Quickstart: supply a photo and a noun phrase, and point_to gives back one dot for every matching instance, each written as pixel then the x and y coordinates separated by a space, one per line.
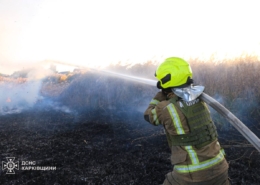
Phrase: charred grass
pixel 103 138
pixel 103 150
pixel 96 150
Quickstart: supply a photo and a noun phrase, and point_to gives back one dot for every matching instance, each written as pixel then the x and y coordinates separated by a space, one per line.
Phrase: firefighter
pixel 196 154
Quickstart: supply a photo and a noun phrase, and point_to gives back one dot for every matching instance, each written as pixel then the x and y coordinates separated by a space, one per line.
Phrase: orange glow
pixel 8 100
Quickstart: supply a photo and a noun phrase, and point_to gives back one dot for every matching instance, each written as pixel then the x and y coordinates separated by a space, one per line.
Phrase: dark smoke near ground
pixel 90 127
pixel 95 92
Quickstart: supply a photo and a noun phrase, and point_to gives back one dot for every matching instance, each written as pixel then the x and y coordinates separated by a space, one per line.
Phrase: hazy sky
pixel 102 31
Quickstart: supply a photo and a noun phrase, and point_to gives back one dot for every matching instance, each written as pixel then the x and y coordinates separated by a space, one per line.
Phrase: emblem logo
pixel 10 165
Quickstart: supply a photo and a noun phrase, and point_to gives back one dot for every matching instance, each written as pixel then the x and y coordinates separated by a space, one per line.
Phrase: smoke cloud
pixel 96 94
pixel 93 94
pixel 20 94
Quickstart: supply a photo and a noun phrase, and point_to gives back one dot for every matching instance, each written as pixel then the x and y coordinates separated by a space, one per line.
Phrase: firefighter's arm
pixel 151 113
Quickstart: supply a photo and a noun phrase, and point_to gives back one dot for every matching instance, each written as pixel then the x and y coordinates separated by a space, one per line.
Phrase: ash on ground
pixel 101 139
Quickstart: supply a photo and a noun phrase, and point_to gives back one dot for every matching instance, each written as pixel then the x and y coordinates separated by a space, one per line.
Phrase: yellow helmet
pixel 173 72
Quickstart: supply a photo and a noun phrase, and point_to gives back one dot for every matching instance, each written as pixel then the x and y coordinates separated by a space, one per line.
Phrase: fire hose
pixel 241 127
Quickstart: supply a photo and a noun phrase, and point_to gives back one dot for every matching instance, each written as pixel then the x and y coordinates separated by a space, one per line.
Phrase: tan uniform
pixel 191 165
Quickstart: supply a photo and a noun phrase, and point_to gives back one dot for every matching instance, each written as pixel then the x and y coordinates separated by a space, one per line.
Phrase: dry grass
pixel 12 80
pixel 234 83
pixel 233 78
pixel 237 78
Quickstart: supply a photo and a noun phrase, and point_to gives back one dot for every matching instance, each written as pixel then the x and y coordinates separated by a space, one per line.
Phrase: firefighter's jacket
pixel 191 163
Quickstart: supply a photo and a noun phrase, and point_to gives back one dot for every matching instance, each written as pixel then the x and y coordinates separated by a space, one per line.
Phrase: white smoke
pixel 16 96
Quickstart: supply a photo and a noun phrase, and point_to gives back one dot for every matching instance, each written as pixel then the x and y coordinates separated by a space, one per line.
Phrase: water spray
pixel 241 127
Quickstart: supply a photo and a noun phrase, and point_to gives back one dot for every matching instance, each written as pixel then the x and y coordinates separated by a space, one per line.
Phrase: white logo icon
pixel 10 165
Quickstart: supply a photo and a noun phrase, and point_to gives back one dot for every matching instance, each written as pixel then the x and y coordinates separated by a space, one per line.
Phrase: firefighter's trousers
pixel 222 179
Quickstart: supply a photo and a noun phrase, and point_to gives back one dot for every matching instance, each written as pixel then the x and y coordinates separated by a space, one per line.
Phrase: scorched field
pixel 88 128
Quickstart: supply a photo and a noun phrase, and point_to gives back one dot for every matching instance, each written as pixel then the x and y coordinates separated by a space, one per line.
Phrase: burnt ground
pixel 98 148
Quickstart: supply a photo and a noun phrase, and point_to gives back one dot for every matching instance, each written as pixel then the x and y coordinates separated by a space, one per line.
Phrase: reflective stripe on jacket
pixel 193 164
